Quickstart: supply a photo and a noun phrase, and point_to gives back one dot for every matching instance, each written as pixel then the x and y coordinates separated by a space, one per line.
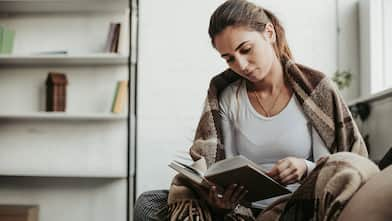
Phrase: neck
pixel 272 83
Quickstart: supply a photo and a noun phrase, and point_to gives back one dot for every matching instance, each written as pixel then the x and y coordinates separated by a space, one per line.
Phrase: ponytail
pixel 281 46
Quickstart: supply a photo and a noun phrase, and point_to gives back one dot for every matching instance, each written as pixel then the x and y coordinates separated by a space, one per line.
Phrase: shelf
pixel 62 116
pixel 12 6
pixel 60 176
pixel 63 59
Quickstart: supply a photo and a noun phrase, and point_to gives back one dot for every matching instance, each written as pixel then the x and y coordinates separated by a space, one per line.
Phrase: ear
pixel 269 32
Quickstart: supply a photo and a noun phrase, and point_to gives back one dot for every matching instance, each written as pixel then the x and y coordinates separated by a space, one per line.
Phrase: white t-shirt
pixel 265 140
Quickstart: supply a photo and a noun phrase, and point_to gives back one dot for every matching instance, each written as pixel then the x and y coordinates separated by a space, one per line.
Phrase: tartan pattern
pixel 320 100
pixel 151 206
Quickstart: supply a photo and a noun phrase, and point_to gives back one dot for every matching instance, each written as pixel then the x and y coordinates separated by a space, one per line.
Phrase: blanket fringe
pixel 189 210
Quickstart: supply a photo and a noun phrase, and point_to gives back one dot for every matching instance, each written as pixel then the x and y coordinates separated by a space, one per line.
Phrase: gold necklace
pixel 273 103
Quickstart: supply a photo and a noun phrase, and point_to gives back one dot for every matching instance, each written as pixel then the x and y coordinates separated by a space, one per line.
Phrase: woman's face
pixel 248 53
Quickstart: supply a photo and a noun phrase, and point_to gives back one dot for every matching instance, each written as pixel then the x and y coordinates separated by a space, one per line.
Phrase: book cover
pixel 56 92
pixel 112 41
pixel 116 38
pixel 109 39
pixel 236 170
pixel 1 38
pixel 7 41
pixel 19 212
pixel 120 96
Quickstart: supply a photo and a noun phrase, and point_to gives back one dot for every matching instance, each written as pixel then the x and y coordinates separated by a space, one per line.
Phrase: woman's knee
pixel 372 201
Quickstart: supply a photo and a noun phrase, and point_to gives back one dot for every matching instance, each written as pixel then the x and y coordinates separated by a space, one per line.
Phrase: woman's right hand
pixel 227 201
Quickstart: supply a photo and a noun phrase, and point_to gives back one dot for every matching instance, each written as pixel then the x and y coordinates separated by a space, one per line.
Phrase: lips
pixel 250 74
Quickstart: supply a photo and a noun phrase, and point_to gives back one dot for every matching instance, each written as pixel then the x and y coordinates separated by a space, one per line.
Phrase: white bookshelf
pixel 78 164
pixel 63 116
pixel 54 176
pixel 23 6
pixel 87 198
pixel 89 59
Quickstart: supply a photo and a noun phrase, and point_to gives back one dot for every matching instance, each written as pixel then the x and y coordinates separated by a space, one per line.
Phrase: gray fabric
pixel 151 206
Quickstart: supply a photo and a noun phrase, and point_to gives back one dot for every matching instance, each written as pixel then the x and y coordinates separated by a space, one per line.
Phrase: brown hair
pixel 244 13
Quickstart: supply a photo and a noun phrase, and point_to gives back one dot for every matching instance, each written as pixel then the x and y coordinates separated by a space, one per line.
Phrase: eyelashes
pixel 245 50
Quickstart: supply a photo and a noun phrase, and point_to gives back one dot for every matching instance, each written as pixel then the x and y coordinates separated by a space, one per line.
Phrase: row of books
pixel 6 40
pixel 112 43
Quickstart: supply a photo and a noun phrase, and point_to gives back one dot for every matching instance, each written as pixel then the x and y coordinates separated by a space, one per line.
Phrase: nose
pixel 243 64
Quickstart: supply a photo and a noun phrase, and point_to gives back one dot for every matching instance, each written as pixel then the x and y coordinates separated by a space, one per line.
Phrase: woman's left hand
pixel 288 170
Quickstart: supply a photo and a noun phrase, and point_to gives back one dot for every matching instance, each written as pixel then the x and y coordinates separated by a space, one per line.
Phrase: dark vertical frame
pixel 132 104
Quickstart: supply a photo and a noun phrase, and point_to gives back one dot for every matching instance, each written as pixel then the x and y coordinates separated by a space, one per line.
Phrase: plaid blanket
pixel 321 103
pixel 324 193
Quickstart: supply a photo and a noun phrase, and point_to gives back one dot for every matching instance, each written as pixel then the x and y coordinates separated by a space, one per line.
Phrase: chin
pixel 257 78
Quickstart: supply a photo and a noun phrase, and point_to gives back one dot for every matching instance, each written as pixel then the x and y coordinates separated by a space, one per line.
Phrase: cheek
pixel 265 56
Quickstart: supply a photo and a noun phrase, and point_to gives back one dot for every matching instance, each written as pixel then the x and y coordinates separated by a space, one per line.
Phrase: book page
pixel 230 164
pixel 200 165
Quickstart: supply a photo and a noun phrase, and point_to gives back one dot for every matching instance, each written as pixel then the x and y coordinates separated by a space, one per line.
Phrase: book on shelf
pixel 236 170
pixel 6 40
pixel 113 39
pixel 120 96
pixel 19 212
pixel 56 93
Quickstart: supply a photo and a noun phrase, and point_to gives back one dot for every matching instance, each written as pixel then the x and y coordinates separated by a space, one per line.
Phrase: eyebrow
pixel 238 47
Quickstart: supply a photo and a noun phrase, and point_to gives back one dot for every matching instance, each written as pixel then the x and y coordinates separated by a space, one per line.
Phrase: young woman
pixel 277 113
pixel 260 116
pixel 281 115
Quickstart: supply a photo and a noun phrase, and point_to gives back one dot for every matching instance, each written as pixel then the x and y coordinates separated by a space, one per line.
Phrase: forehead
pixel 231 37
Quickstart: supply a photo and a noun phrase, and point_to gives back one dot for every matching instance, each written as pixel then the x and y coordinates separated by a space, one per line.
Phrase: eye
pixel 230 59
pixel 246 50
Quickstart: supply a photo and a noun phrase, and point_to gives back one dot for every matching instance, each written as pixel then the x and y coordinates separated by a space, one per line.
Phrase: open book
pixel 236 170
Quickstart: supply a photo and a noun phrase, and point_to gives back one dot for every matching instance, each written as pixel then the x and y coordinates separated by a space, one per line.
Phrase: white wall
pixel 176 62
pixel 348 40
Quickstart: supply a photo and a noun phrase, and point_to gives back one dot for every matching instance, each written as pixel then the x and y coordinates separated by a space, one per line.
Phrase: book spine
pixel 121 96
pixel 7 41
pixel 115 39
pixel 110 37
pixel 115 96
pixel 1 38
pixel 118 26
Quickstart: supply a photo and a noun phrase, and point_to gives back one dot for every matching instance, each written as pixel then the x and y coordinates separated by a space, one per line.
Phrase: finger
pixel 274 171
pixel 286 172
pixel 242 195
pixel 278 169
pixel 237 193
pixel 290 179
pixel 214 194
pixel 282 165
pixel 229 192
pixel 211 194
